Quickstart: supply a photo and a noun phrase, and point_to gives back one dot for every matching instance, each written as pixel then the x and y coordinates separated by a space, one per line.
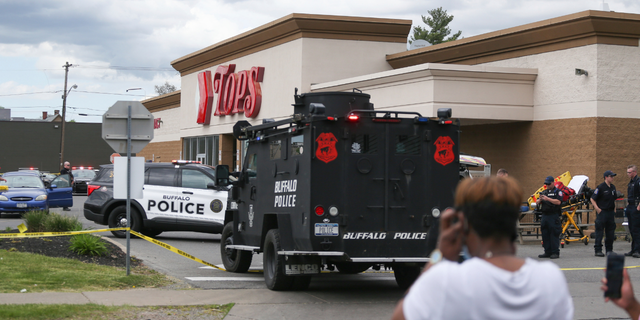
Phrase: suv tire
pixel 274 274
pixel 237 261
pixel 118 218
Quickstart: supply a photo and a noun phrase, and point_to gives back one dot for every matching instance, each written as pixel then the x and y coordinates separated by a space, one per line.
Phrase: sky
pixel 115 46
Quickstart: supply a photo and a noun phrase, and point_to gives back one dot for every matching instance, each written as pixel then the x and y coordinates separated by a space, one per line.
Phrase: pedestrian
pixel 632 209
pixel 493 283
pixel 627 300
pixel 549 202
pixel 67 170
pixel 604 202
pixel 502 173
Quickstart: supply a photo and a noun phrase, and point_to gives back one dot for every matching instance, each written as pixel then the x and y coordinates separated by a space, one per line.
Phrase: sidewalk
pixel 250 303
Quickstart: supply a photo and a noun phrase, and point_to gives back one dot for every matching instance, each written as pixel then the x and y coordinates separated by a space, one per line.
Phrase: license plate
pixel 21 205
pixel 327 229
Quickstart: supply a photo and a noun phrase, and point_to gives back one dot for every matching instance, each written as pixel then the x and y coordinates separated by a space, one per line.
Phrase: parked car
pixel 81 177
pixel 26 191
pixel 178 196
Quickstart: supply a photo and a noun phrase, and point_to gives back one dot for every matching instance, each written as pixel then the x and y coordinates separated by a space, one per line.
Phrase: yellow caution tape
pixel 178 251
pixel 53 234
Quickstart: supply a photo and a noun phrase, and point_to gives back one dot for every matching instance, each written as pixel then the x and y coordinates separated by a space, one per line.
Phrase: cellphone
pixel 615 264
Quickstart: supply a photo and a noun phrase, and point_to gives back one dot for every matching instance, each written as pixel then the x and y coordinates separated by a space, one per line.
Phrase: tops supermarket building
pixel 521 104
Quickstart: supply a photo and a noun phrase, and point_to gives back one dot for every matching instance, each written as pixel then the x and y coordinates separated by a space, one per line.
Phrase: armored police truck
pixel 340 185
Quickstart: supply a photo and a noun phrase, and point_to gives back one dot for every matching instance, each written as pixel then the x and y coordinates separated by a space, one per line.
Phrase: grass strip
pixel 96 311
pixel 38 273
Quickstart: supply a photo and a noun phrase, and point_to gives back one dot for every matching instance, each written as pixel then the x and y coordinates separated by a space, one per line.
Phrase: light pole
pixel 64 110
pixel 145 92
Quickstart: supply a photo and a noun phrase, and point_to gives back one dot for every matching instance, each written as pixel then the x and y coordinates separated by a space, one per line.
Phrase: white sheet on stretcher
pixel 577 182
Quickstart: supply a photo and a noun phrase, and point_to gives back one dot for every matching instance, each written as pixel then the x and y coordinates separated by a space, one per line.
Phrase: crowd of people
pixel 492 282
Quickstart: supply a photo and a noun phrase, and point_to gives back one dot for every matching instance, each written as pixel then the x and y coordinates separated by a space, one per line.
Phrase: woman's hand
pixel 451 235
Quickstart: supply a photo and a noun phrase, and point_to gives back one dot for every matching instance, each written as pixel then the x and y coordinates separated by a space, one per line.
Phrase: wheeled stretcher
pixel 572 207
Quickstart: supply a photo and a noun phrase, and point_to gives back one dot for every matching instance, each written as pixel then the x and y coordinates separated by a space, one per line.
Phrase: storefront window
pixel 203 148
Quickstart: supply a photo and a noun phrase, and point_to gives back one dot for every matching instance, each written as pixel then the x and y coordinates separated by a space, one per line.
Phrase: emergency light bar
pixel 185 162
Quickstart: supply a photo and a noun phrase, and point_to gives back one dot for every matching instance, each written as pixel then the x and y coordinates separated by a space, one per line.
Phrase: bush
pixel 87 244
pixel 36 220
pixel 58 223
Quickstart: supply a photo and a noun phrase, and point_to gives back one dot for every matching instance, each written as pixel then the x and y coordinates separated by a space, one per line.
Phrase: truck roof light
pixel 445 121
pixel 421 119
pixel 319 210
pixel 353 117
pixel 332 119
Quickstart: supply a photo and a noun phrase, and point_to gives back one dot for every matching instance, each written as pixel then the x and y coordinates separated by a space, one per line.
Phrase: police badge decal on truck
pixel 376 205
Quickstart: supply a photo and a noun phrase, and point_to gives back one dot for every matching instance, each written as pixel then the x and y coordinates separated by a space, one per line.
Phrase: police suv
pixel 178 196
pixel 340 185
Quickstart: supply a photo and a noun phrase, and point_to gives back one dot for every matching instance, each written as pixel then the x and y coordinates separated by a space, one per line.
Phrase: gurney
pixel 572 207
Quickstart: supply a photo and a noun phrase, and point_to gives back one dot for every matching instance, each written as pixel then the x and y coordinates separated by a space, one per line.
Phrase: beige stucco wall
pixel 169 128
pixel 295 64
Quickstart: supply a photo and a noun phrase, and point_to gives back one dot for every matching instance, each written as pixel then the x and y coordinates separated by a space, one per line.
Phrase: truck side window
pixel 195 179
pixel 364 143
pixel 296 145
pixel 408 145
pixel 252 166
pixel 161 176
pixel 275 149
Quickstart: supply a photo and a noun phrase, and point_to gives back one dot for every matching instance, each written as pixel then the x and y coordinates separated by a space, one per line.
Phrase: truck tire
pixel 406 275
pixel 237 261
pixel 352 267
pixel 274 274
pixel 118 219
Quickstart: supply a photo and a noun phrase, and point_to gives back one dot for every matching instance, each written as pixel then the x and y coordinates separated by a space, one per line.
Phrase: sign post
pixel 127 127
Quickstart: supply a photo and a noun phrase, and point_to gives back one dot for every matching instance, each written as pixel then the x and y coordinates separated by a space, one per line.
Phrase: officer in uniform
pixel 604 201
pixel 633 207
pixel 550 205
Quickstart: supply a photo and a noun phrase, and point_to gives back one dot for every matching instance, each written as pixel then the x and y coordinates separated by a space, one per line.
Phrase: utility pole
pixel 64 111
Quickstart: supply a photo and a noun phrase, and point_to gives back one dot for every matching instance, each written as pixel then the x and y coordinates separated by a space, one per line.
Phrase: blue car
pixel 25 191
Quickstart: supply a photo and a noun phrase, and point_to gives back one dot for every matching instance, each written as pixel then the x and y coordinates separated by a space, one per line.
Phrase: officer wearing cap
pixel 604 202
pixel 632 209
pixel 550 205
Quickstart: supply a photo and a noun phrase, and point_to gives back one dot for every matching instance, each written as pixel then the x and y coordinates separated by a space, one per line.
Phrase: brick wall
pixel 162 151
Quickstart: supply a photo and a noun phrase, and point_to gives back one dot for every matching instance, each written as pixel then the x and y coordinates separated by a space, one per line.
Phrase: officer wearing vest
pixel 632 209
pixel 550 205
pixel 604 202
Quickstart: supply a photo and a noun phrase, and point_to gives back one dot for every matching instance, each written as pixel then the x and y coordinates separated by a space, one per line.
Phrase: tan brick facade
pixel 162 151
pixel 530 151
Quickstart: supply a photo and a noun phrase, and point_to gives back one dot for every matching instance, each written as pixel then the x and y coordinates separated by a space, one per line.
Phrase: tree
pixel 437 22
pixel 165 88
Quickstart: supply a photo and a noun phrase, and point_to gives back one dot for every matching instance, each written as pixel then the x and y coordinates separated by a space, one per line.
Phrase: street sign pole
pixel 139 131
pixel 128 187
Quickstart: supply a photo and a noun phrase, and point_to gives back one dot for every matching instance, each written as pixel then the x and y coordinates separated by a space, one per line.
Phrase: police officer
pixel 604 201
pixel 549 204
pixel 633 206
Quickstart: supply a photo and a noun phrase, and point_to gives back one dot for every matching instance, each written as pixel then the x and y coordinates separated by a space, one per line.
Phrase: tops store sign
pixel 238 92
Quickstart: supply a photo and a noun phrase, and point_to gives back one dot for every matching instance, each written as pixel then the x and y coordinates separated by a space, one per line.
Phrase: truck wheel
pixel 237 261
pixel 352 267
pixel 274 274
pixel 406 275
pixel 118 219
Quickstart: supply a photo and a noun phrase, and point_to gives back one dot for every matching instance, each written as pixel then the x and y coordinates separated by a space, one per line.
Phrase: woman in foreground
pixel 492 283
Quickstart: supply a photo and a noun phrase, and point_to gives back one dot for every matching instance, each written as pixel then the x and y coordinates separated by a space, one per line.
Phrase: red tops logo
pixel 444 150
pixel 326 151
pixel 237 92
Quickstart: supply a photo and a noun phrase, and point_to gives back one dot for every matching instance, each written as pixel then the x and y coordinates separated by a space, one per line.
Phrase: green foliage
pixel 38 273
pixel 35 220
pixel 94 311
pixel 87 244
pixel 59 223
pixel 438 28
